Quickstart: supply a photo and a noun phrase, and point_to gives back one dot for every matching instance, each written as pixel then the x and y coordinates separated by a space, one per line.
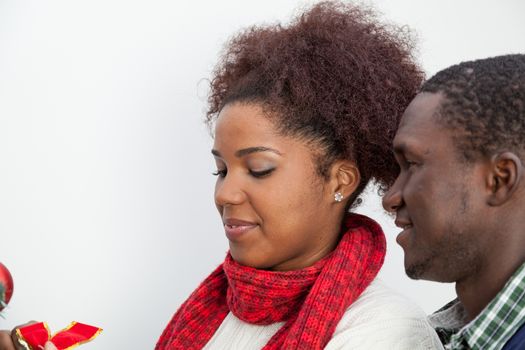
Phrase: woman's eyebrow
pixel 245 151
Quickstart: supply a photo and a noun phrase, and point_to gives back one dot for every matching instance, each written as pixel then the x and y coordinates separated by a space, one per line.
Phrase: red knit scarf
pixel 312 301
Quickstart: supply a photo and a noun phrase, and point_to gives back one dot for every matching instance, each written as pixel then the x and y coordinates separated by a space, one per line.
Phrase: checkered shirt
pixel 492 328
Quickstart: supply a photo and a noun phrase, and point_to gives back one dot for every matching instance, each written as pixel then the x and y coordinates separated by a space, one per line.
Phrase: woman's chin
pixel 245 258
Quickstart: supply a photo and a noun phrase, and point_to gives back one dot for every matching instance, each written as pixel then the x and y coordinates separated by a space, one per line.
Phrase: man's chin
pixel 417 270
pixel 424 272
pixel 413 274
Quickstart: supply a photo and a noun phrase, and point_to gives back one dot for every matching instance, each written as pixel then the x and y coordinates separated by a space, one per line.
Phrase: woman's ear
pixel 504 177
pixel 345 177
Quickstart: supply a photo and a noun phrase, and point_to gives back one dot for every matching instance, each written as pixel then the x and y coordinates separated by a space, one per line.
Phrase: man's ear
pixel 345 177
pixel 504 177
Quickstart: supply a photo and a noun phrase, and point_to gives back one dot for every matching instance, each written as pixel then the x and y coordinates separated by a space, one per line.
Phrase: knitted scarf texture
pixel 310 301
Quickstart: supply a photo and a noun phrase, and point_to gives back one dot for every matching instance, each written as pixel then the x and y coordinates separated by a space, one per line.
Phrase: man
pixel 460 198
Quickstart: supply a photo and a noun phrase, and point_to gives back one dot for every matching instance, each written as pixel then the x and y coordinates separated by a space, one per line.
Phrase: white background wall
pixel 106 209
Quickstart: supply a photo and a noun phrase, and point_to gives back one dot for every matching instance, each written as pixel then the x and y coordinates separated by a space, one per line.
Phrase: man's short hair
pixel 485 104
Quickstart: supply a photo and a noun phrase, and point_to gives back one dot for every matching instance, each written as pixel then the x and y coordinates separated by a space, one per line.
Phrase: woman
pixel 303 119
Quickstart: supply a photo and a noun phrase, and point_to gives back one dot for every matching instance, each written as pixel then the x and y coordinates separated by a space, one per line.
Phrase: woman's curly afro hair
pixel 335 77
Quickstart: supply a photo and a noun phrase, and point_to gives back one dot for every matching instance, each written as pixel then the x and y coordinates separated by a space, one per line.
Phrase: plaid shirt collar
pixel 492 328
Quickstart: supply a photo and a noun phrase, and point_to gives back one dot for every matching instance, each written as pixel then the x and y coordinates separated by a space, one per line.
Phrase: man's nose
pixel 393 199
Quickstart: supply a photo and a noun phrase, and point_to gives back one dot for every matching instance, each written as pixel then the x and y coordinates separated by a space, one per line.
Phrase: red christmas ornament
pixel 6 286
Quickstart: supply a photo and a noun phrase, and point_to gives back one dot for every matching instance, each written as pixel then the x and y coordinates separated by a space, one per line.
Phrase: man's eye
pixel 262 173
pixel 410 163
pixel 219 173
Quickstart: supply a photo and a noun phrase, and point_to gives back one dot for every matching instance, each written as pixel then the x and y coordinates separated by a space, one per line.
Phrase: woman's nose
pixel 228 191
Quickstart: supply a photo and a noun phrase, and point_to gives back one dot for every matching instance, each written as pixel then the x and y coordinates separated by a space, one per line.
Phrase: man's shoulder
pixel 499 323
pixel 517 341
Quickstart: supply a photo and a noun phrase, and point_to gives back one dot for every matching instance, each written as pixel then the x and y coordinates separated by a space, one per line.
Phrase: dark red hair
pixel 334 75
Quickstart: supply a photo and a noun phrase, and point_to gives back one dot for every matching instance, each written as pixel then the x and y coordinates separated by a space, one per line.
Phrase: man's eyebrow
pixel 400 148
pixel 408 149
pixel 245 151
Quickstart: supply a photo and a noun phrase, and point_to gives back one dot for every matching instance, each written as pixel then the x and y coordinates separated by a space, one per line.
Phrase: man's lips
pixel 403 223
pixel 235 228
pixel 406 225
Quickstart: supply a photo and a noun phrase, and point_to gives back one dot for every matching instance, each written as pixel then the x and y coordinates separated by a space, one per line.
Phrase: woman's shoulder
pixel 378 302
pixel 383 319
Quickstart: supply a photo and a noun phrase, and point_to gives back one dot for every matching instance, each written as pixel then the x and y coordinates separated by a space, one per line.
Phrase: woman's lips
pixel 236 228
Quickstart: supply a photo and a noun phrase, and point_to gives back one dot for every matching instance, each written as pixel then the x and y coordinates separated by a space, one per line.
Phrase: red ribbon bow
pixel 36 335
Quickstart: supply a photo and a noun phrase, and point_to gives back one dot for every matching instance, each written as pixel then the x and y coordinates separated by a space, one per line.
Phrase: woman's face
pixel 278 213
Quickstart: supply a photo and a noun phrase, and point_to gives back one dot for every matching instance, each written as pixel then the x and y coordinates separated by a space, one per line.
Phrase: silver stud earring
pixel 338 196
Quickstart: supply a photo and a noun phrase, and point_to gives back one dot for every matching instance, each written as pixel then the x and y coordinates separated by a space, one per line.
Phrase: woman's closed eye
pixel 255 173
pixel 261 173
pixel 219 172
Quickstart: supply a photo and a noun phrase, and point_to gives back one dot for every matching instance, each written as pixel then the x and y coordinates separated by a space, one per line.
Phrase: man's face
pixel 437 197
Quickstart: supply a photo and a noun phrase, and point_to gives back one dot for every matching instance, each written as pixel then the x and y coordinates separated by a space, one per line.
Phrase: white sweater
pixel 378 319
